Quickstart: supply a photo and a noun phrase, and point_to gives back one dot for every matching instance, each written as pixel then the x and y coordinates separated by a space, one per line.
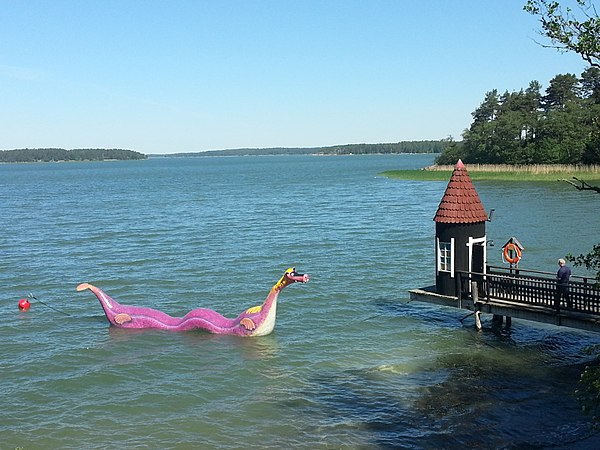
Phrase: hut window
pixel 445 256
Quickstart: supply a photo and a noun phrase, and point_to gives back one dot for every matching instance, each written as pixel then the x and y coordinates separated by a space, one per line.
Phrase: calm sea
pixel 351 363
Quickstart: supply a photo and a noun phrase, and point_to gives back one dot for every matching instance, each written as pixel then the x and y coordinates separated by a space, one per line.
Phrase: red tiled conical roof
pixel 460 203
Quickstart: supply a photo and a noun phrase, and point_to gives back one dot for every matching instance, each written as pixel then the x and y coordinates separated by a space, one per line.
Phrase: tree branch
pixel 583 186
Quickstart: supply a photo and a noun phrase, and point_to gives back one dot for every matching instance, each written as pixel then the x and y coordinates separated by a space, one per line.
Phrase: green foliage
pixel 591 261
pixel 559 126
pixel 60 154
pixel 588 393
pixel 570 132
pixel 569 30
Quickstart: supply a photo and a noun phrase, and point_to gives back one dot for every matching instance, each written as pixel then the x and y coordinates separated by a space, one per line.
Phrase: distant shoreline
pixel 46 155
pixel 68 161
pixel 62 155
pixel 424 147
pixel 186 155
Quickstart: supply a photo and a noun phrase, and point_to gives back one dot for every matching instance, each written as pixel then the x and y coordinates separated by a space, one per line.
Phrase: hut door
pixel 477 258
pixel 478 263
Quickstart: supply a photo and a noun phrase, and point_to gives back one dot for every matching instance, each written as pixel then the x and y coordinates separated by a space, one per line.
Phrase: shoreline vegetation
pixel 34 155
pixel 347 149
pixel 502 172
pixel 532 126
pixel 62 155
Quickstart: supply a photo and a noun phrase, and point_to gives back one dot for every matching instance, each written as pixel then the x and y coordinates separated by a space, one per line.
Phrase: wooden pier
pixel 521 294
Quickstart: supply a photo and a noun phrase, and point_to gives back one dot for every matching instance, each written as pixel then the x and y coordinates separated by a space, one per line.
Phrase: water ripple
pixel 351 363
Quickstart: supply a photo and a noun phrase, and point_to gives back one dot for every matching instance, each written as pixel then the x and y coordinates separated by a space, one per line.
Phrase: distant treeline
pixel 349 149
pixel 60 154
pixel 398 147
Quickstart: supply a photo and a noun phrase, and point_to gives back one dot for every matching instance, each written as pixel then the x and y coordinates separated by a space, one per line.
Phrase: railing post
pixel 556 297
pixel 474 292
pixel 458 288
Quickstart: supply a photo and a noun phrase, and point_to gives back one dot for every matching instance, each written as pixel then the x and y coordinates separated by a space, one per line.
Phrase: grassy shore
pixel 480 172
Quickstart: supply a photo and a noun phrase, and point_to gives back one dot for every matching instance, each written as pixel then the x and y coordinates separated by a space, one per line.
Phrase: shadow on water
pixel 476 405
pixel 498 388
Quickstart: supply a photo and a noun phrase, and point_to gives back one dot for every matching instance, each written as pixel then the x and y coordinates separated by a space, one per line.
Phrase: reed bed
pixel 503 172
pixel 534 169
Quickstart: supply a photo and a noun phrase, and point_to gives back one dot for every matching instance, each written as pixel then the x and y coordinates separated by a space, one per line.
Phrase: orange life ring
pixel 514 250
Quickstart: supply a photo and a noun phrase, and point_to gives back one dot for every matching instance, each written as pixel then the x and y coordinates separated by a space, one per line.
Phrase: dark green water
pixel 350 364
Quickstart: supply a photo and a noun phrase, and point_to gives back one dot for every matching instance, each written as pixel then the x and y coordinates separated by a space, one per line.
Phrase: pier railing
pixel 528 287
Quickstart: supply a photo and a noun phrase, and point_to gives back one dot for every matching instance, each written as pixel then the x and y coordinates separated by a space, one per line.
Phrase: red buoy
pixel 24 304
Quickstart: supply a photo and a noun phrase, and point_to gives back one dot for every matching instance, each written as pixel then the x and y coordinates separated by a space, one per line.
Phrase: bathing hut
pixel 460 242
pixel 464 280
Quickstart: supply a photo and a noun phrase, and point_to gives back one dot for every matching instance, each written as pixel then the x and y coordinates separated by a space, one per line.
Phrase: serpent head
pixel 291 276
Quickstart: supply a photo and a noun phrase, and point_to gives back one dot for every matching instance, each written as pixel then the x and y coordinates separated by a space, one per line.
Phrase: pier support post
pixel 474 292
pixel 475 295
pixel 478 320
pixel 498 319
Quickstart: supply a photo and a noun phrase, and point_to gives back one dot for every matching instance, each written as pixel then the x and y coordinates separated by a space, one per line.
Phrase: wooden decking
pixel 521 294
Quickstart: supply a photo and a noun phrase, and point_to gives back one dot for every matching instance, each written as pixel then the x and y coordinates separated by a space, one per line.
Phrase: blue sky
pixel 187 76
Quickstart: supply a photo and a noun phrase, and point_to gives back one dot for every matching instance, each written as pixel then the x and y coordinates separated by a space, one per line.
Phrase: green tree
pixel 562 135
pixel 590 90
pixel 569 29
pixel 452 153
pixel 590 261
pixel 563 90
pixel 503 130
pixel 562 126
pixel 478 139
pixel 580 34
pixel 576 31
pixel 590 85
pixel 488 110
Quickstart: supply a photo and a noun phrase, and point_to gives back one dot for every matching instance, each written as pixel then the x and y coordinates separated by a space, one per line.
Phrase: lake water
pixel 351 363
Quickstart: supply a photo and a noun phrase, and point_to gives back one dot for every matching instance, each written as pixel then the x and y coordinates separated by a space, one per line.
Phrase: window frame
pixel 445 257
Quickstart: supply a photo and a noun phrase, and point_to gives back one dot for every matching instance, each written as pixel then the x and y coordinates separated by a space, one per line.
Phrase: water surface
pixel 351 364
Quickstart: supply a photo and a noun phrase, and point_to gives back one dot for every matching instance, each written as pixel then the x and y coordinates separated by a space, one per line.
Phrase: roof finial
pixel 460 165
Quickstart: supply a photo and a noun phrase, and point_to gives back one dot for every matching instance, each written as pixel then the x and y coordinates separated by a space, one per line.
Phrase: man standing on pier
pixel 562 283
